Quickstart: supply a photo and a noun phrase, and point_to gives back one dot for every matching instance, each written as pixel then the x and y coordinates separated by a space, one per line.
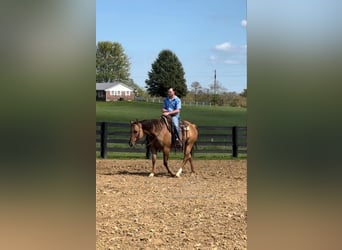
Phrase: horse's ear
pixel 136 120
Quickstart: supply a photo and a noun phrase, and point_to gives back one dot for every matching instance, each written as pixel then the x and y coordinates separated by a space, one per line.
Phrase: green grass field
pixel 124 112
pixel 200 115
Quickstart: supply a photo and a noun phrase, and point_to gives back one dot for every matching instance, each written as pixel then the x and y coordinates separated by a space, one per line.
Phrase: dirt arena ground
pixel 203 211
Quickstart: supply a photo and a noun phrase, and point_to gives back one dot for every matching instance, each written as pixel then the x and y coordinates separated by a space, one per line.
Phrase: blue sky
pixel 205 36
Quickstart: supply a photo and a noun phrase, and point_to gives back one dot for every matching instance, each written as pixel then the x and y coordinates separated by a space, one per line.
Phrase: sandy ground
pixel 203 211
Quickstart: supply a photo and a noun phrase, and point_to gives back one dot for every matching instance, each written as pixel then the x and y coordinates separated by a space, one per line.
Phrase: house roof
pixel 110 85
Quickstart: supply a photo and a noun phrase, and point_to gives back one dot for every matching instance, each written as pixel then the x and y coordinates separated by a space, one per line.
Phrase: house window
pixel 128 93
pixel 112 92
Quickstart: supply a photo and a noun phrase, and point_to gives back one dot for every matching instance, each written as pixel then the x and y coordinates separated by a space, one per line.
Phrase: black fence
pixel 114 137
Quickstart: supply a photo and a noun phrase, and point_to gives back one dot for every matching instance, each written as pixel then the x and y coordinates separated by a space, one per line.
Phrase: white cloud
pixel 231 62
pixel 224 46
pixel 213 58
pixel 244 23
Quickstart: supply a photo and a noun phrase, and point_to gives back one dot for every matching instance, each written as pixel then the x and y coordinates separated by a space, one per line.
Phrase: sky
pixel 204 35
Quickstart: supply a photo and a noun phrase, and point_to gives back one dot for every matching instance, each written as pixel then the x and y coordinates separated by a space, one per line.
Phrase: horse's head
pixel 136 132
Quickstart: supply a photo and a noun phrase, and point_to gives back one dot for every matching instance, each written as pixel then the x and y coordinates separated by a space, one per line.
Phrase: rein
pixel 168 126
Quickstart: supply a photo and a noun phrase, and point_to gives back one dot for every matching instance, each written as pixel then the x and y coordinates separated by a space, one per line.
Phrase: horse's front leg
pixel 154 159
pixel 166 153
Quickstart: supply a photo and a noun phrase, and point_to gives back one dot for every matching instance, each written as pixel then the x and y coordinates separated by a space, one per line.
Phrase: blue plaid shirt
pixel 172 104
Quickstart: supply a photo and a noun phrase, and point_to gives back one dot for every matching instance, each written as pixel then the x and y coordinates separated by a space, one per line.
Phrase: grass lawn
pixel 200 115
pixel 124 112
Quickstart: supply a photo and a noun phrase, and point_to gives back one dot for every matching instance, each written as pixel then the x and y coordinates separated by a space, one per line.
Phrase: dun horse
pixel 158 132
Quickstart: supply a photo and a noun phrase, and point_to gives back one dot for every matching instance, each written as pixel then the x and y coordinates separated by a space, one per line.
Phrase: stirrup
pixel 178 143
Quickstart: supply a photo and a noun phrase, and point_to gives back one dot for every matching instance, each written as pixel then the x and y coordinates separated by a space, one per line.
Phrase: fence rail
pixel 113 137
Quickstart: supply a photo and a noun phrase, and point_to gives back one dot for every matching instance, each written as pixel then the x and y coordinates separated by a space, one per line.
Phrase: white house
pixel 113 91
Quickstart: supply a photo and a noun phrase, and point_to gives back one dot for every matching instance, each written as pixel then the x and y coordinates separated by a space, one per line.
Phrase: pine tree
pixel 167 72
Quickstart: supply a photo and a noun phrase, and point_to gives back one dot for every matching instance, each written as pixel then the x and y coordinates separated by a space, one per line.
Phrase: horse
pixel 159 138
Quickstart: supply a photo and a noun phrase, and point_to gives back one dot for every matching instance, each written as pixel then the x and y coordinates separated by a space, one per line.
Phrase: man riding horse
pixel 172 106
pixel 158 131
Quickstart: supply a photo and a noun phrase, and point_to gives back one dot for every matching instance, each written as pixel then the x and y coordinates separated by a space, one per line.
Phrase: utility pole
pixel 195 95
pixel 215 85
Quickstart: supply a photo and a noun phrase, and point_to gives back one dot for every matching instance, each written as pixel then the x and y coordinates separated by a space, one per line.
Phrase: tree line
pixel 112 64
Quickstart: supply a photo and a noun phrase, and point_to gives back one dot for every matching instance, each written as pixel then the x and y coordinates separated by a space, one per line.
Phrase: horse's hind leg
pixel 192 166
pixel 187 157
pixel 190 153
pixel 166 158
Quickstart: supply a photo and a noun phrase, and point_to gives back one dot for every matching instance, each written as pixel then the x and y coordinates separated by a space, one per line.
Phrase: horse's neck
pixel 144 125
pixel 147 127
pixel 150 127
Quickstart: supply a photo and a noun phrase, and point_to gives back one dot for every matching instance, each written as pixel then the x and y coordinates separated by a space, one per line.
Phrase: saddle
pixel 183 135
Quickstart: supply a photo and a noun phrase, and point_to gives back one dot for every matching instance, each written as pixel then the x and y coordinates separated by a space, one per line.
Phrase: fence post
pixel 235 141
pixel 104 134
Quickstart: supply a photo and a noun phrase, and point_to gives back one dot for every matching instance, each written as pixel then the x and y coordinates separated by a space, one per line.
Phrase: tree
pixel 244 93
pixel 195 86
pixel 112 64
pixel 167 72
pixel 216 87
pixel 130 83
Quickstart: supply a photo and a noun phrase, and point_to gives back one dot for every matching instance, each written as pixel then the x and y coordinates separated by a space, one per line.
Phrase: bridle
pixel 136 137
pixel 139 124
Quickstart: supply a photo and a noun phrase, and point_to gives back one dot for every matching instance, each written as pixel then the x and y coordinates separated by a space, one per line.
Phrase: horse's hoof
pixel 151 175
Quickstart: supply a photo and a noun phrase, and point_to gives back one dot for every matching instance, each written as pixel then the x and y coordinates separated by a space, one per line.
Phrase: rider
pixel 172 106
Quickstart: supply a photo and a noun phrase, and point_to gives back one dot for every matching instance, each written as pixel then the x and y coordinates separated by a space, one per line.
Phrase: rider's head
pixel 171 92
